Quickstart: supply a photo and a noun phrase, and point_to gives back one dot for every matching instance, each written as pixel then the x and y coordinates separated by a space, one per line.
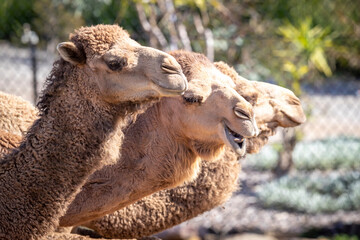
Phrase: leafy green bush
pixel 328 154
pixel 345 237
pixel 313 193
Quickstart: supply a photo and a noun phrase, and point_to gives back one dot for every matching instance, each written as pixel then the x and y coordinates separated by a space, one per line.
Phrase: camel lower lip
pixel 176 82
pixel 170 92
pixel 237 143
pixel 176 90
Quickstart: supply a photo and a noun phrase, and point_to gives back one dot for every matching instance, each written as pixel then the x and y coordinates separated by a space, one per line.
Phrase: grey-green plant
pixel 342 153
pixel 335 153
pixel 313 193
pixel 265 160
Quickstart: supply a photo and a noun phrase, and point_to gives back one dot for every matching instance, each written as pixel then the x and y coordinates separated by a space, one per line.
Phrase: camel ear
pixel 287 108
pixel 70 53
pixel 197 91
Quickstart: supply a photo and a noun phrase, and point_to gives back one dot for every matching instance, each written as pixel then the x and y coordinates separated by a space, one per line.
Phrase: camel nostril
pixel 170 68
pixel 170 65
pixel 241 113
pixel 172 81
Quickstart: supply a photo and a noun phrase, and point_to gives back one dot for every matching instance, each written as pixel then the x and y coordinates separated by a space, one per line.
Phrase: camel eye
pixel 192 99
pixel 117 64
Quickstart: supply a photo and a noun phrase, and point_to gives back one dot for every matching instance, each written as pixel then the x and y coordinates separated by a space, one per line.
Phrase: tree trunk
pixel 285 163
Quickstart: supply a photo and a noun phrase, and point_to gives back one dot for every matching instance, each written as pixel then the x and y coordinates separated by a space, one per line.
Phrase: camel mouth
pixel 293 121
pixel 235 140
pixel 176 84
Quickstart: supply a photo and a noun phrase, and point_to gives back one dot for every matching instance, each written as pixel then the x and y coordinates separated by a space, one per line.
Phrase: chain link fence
pixel 333 108
pixel 24 70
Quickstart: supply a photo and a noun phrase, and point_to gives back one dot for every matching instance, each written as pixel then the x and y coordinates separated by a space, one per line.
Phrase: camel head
pixel 210 114
pixel 274 106
pixel 122 68
pixel 279 106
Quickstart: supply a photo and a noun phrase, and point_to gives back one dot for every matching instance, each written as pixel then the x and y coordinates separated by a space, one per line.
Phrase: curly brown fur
pixel 70 236
pixel 215 184
pixel 85 236
pixel 97 40
pixel 16 114
pixel 75 131
pixel 8 141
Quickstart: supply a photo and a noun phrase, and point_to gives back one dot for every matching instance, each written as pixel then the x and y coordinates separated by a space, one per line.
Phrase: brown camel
pixel 102 79
pixel 274 106
pixel 161 150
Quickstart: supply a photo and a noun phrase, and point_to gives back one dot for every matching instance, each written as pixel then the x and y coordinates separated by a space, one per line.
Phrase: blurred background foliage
pixel 288 40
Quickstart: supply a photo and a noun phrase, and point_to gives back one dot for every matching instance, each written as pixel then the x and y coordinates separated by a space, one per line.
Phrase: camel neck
pixel 61 149
pixel 152 159
pixel 152 132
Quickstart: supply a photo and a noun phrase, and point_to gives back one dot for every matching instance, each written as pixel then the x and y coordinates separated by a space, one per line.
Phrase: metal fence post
pixel 31 38
pixel 34 69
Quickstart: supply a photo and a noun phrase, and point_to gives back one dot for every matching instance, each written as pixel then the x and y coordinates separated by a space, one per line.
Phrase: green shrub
pixel 344 237
pixel 313 193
